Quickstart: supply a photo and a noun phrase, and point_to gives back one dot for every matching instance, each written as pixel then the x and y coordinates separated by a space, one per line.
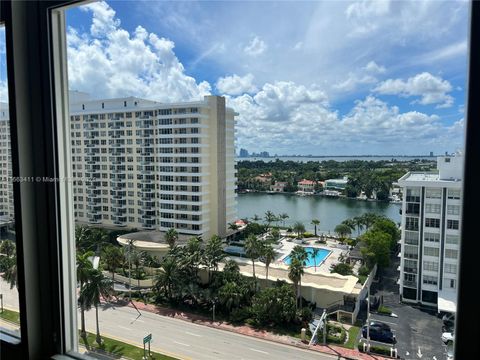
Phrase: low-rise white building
pixel 431 214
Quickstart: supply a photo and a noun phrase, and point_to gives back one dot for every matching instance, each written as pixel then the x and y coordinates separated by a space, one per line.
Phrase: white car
pixel 447 337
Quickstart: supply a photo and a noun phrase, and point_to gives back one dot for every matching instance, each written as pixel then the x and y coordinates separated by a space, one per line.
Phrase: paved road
pixel 180 338
pixel 190 341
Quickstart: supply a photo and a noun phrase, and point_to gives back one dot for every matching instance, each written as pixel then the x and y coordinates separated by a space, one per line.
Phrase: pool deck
pixel 334 247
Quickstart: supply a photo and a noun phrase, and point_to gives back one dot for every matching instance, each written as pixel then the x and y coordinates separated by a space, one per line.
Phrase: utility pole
pixel 130 270
pixel 368 320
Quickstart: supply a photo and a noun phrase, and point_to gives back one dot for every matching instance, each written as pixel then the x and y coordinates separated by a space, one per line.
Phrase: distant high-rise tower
pixel 243 153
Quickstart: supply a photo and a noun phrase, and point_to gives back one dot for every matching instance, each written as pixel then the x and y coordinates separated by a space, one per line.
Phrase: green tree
pixel 342 269
pixel 112 256
pixel 256 218
pixel 229 296
pixel 299 252
pixel 171 237
pixel 7 248
pixel 342 231
pixel 315 252
pixel 376 248
pixel 84 272
pixel 98 286
pixel 315 222
pixel 358 223
pixel 299 228
pixel 274 305
pixel 253 249
pixel 213 254
pixel 234 227
pixel 388 226
pixel 167 276
pixel 284 216
pixel 269 218
pixel 269 256
pixel 295 272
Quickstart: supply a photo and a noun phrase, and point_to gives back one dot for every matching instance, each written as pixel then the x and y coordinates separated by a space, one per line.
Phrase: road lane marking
pixel 180 343
pixel 260 351
pixel 124 328
pixel 189 333
pixel 137 320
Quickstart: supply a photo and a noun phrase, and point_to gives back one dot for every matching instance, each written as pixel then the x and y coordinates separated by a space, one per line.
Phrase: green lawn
pixel 118 348
pixel 11 316
pixel 352 337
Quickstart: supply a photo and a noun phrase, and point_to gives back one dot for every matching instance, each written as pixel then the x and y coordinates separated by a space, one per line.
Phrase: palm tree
pixel 213 254
pixel 284 216
pixel 299 252
pixel 113 258
pixel 299 228
pixel 167 276
pixel 358 223
pixel 315 252
pixel 84 271
pixel 315 222
pixel 97 287
pixel 342 231
pixel 171 236
pixel 234 227
pixel 253 249
pixel 269 256
pixel 229 295
pixel 295 272
pixel 136 257
pixel 350 223
pixel 269 218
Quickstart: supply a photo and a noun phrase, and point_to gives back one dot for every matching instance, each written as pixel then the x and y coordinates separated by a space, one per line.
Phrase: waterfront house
pixel 279 186
pixel 306 186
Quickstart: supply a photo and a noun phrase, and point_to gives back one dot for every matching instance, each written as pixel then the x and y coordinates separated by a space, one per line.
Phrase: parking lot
pixel 418 331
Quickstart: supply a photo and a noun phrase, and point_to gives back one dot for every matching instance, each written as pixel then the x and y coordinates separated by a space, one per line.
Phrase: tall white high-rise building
pixel 431 215
pixel 149 165
pixel 6 184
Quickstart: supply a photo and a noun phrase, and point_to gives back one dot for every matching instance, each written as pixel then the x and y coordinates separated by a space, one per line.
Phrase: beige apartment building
pixel 150 165
pixel 6 184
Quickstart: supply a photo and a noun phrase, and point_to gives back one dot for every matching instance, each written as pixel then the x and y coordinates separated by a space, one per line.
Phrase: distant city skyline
pixel 340 78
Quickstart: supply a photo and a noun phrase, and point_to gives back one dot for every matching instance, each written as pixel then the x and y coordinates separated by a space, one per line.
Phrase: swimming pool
pixel 320 258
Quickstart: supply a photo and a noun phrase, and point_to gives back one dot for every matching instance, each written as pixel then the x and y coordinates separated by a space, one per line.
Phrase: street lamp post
pixel 368 320
pixel 130 270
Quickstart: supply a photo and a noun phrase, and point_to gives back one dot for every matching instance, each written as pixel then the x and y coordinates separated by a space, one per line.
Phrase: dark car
pixel 379 325
pixel 378 333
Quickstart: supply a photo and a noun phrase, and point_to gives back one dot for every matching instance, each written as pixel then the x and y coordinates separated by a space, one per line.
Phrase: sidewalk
pixel 261 334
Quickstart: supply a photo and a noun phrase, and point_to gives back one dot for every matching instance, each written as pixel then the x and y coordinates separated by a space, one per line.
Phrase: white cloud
pixel 236 85
pixel 430 88
pixel 255 47
pixel 373 67
pixel 109 61
pixel 353 81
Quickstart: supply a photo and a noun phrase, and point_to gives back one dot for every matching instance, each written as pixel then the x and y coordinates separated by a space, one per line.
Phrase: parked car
pixel 379 333
pixel 379 324
pixel 447 337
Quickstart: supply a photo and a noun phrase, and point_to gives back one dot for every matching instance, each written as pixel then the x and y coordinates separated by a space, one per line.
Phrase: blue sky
pixel 317 77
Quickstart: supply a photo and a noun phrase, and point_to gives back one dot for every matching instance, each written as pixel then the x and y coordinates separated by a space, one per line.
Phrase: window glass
pixel 9 305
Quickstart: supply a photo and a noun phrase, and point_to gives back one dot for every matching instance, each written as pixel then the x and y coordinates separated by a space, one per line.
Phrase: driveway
pixel 418 330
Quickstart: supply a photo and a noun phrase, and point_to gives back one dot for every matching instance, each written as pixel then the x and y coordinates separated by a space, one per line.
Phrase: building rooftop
pixel 423 176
